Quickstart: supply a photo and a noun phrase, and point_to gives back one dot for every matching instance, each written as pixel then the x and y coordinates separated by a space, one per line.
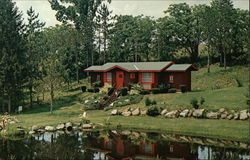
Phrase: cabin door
pixel 119 79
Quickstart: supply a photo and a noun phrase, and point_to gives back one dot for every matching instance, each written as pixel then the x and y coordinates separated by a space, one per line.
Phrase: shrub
pixel 83 88
pixel 155 90
pixel 97 84
pixel 183 88
pixel 149 102
pixel 96 90
pixel 202 101
pixel 164 87
pixel 194 103
pixel 172 90
pixel 93 106
pixel 124 91
pixel 153 111
pixel 144 92
pixel 90 89
pixel 105 98
pixel 239 83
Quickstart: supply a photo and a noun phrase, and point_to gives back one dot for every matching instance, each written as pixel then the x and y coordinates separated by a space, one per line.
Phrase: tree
pixel 12 59
pixel 186 29
pixel 103 26
pixel 33 28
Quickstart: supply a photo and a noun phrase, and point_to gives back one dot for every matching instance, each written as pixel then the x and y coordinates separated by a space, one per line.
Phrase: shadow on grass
pixel 64 101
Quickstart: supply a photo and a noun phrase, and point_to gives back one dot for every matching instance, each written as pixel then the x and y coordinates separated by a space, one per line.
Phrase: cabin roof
pixel 180 67
pixel 131 66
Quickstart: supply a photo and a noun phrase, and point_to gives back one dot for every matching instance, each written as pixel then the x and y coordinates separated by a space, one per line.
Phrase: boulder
pixel 34 128
pixel 190 113
pixel 78 124
pixel 172 114
pixel 236 116
pixel 49 128
pixel 144 112
pixel 222 110
pixel 32 132
pixel 126 114
pixel 69 126
pixel 86 101
pixel 243 115
pixel 127 100
pixel 60 126
pixel 184 113
pixel 84 115
pixel 136 112
pixel 164 111
pixel 112 104
pixel 213 115
pixel 223 115
pixel 230 116
pixel 114 112
pixel 20 131
pixel 198 113
pixel 86 126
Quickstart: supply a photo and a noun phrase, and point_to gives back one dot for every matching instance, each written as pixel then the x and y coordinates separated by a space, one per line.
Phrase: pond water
pixel 120 145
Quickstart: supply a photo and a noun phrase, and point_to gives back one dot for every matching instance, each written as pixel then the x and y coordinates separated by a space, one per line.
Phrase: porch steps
pixel 114 95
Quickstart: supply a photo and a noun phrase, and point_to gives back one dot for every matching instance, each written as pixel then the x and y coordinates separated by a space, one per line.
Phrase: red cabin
pixel 148 74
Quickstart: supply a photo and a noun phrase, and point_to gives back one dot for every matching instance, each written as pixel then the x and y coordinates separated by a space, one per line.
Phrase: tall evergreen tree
pixel 12 60
pixel 33 28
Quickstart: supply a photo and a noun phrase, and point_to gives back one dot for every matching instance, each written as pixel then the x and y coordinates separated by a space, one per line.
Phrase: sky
pixel 153 8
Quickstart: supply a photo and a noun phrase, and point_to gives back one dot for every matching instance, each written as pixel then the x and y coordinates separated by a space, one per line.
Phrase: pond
pixel 120 145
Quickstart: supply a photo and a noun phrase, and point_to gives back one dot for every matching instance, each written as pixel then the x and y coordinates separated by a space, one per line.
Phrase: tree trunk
pixel 9 103
pixel 225 63
pixel 208 59
pixel 77 73
pixel 221 56
pixel 30 93
pixel 51 96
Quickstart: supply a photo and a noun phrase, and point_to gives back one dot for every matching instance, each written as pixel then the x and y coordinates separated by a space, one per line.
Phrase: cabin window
pixel 109 77
pixel 132 75
pixel 147 148
pixel 171 149
pixel 146 77
pixel 171 79
pixel 98 77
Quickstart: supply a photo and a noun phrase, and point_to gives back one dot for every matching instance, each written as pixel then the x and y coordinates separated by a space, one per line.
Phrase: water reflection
pixel 117 145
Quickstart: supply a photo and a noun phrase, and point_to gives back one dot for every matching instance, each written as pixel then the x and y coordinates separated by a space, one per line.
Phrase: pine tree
pixel 33 28
pixel 12 57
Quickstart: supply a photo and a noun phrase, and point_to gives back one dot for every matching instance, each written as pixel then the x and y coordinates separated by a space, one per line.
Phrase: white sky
pixel 152 8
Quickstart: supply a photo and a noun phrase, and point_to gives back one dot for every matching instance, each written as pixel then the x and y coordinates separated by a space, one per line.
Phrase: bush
pixel 144 92
pixel 164 87
pixel 83 88
pixel 149 102
pixel 155 90
pixel 202 101
pixel 90 90
pixel 124 91
pixel 153 111
pixel 172 90
pixel 96 90
pixel 93 106
pixel 97 84
pixel 183 88
pixel 239 83
pixel 194 103
pixel 105 98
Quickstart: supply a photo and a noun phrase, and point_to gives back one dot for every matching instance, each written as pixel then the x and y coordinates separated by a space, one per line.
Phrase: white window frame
pixel 147 77
pixel 171 78
pixel 109 76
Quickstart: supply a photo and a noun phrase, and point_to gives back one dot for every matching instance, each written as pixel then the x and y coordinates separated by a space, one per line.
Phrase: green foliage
pixel 156 90
pixel 239 83
pixel 124 91
pixel 153 111
pixel 164 87
pixel 83 88
pixel 90 90
pixel 144 92
pixel 202 101
pixel 149 102
pixel 194 103
pixel 172 90
pixel 110 90
pixel 97 84
pixel 183 88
